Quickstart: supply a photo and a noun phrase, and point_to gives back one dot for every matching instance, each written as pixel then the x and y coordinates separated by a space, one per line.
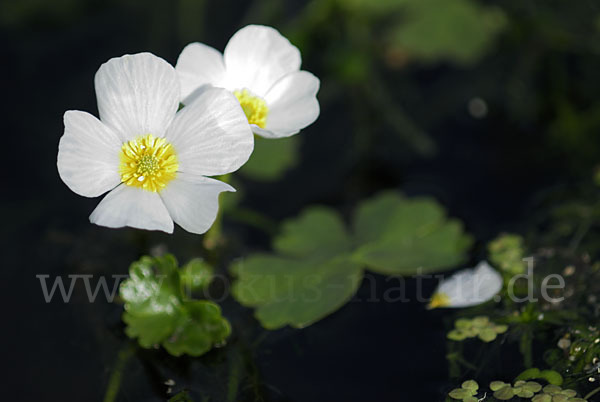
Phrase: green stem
pixel 592 393
pixel 525 347
pixel 114 382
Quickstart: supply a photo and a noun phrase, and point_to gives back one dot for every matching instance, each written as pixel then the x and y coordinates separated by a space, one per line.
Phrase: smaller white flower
pixel 151 159
pixel 468 287
pixel 262 69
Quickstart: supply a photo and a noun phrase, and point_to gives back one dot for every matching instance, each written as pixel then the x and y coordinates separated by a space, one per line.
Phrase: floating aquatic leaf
pixel 318 264
pixel 401 236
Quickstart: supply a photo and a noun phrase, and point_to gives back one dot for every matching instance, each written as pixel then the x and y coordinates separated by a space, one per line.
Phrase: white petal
pixel 137 94
pixel 470 287
pixel 133 207
pixel 193 201
pixel 199 65
pixel 258 56
pixel 292 103
pixel 211 135
pixel 88 155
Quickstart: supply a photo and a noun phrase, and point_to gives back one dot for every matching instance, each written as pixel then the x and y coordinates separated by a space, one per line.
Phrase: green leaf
pixel 487 335
pixel 317 265
pixel 504 393
pixel 271 158
pixel 456 335
pixel 286 291
pixel 553 377
pixel 398 236
pixel 460 31
pixel 152 299
pixel 470 385
pixel 552 389
pixel 202 328
pixel 496 385
pixel 196 275
pixel 317 232
pixel 156 313
pixel 542 398
pixel 459 393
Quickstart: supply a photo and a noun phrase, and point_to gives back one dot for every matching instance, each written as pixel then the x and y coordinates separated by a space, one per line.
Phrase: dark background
pixel 383 125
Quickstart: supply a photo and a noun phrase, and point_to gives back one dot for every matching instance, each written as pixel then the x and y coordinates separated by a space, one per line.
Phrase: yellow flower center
pixel 255 108
pixel 148 162
pixel 439 300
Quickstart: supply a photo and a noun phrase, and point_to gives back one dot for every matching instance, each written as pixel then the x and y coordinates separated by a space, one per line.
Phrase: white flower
pixel 468 287
pixel 262 68
pixel 150 157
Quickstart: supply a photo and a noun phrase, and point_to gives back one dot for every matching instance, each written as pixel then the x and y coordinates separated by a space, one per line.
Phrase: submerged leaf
pixel 156 312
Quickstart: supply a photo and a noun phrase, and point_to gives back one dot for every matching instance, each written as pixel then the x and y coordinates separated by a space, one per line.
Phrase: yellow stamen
pixel 439 300
pixel 148 162
pixel 255 108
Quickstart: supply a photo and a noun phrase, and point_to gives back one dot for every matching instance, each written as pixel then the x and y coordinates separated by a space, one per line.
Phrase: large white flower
pixel 150 157
pixel 262 69
pixel 468 287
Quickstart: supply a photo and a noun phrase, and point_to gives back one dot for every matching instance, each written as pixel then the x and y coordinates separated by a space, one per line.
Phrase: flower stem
pixel 592 393
pixel 114 382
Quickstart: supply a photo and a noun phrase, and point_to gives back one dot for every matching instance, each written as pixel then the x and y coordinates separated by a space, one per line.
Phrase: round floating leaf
pixel 504 393
pixel 560 398
pixel 487 335
pixel 496 385
pixel 552 389
pixel 202 328
pixel 292 292
pixel 568 392
pixel 456 335
pixel 500 329
pixel 398 236
pixel 196 275
pixel 459 393
pixel 471 399
pixel 480 322
pixel 271 158
pixel 463 323
pixel 542 398
pixel 470 385
pixel 532 386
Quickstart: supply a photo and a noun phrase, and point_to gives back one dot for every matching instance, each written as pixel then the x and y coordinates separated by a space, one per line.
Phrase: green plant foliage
pixel 554 393
pixel 400 236
pixel 318 264
pixel 271 158
pixel 182 396
pixel 480 327
pixel 506 252
pixel 551 376
pixel 196 275
pixel 459 31
pixel 310 277
pixel 156 311
pixel 466 392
